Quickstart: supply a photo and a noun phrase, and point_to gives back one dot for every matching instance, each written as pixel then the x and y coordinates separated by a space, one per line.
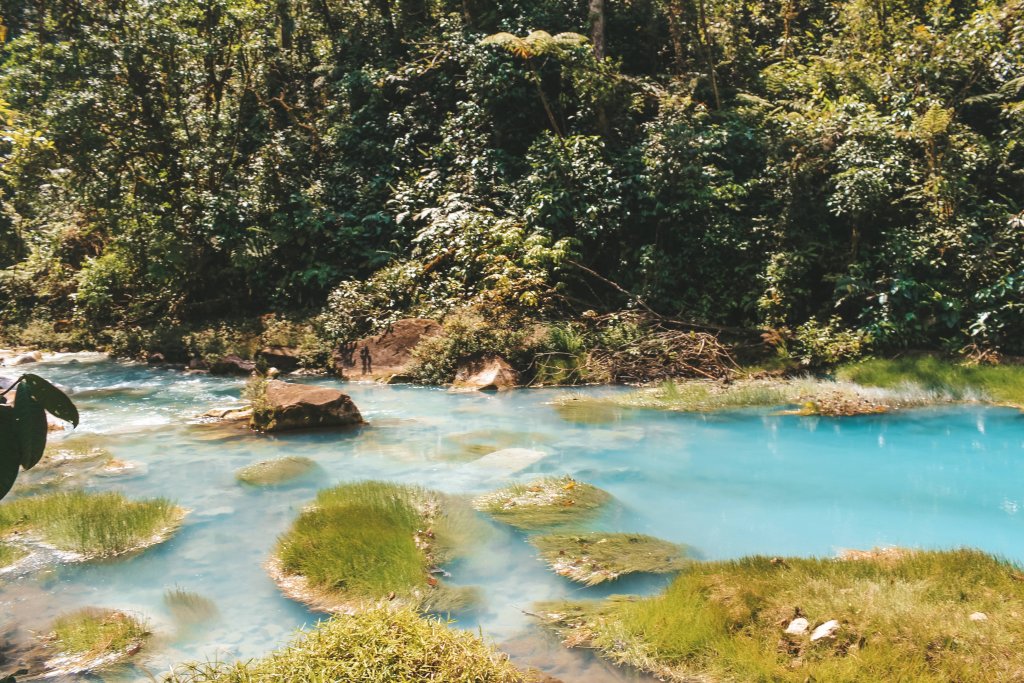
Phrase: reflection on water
pixel 726 484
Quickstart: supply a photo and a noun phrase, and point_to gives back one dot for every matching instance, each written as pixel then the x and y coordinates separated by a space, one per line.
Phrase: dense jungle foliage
pixel 836 166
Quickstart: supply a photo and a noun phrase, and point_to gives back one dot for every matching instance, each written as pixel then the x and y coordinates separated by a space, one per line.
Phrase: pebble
pixel 798 626
pixel 979 616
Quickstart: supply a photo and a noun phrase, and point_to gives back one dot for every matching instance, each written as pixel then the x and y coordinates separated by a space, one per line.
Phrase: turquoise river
pixel 727 484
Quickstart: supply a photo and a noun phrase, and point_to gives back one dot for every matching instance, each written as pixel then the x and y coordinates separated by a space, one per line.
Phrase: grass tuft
pixel 548 502
pixel 369 541
pixel 9 554
pixel 91 638
pixel 275 472
pixel 92 524
pixel 598 557
pixel 917 617
pixel 377 646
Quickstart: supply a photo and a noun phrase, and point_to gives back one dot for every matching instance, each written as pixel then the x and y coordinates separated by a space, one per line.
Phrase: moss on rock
pixel 598 557
pixel 548 502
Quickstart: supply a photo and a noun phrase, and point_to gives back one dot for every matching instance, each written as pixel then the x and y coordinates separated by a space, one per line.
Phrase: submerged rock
pixel 232 365
pixel 299 406
pixel 485 372
pixel 387 353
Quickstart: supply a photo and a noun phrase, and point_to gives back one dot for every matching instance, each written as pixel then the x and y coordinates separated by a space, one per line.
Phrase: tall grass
pixel 94 524
pixel 367 540
pixel 93 633
pixel 904 617
pixel 547 502
pixel 1000 383
pixel 9 554
pixel 377 646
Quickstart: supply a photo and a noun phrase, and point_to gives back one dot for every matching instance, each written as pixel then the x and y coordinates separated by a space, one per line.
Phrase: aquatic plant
pixel 189 608
pixel 273 472
pixel 920 617
pixel 552 501
pixel 597 557
pixel 376 646
pixel 92 524
pixel 93 638
pixel 998 383
pixel 369 541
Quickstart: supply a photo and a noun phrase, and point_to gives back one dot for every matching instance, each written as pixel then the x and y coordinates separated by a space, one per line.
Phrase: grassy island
pixel 275 472
pixel 377 646
pixel 598 557
pixel 92 638
pixel 90 524
pixel 920 617
pixel 369 542
pixel 548 502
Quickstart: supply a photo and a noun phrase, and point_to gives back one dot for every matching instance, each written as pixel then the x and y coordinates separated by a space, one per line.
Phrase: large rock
pixel 485 372
pixel 283 358
pixel 389 352
pixel 301 406
pixel 24 359
pixel 232 365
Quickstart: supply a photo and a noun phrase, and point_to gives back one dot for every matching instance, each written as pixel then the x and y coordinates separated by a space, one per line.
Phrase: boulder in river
pixel 387 353
pixel 232 365
pixel 24 359
pixel 284 358
pixel 485 372
pixel 301 406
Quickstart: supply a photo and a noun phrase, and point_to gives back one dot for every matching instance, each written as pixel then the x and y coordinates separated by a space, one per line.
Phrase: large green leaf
pixel 10 450
pixel 30 426
pixel 52 399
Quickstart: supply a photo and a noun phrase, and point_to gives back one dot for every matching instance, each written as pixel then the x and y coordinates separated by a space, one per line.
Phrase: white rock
pixel 24 359
pixel 798 626
pixel 826 630
pixel 979 616
pixel 508 461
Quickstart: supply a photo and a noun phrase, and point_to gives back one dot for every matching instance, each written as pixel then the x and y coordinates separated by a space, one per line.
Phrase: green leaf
pixel 30 426
pixel 52 399
pixel 10 450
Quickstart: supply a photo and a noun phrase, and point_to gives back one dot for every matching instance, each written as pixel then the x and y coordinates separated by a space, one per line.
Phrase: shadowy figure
pixel 367 360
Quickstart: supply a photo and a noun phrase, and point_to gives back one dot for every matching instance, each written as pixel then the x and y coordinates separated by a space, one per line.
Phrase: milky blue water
pixel 725 484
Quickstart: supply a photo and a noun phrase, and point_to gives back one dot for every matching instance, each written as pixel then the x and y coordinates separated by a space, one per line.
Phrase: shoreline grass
pixel 917 617
pixel 996 383
pixel 93 638
pixel 367 542
pixel 805 396
pixel 275 472
pixel 377 646
pixel 10 554
pixel 598 557
pixel 91 524
pixel 547 502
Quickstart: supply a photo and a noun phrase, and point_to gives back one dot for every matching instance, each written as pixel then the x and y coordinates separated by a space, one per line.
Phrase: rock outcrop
pixel 485 372
pixel 232 365
pixel 284 358
pixel 300 406
pixel 384 354
pixel 24 359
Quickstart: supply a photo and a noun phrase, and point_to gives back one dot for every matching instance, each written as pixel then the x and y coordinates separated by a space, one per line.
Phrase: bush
pixel 826 345
pixel 465 333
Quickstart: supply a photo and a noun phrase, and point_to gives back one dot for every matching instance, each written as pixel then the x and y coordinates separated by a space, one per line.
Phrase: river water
pixel 727 484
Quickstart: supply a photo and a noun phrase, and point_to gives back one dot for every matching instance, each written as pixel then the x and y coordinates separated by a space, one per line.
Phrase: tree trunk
pixel 702 33
pixel 597 27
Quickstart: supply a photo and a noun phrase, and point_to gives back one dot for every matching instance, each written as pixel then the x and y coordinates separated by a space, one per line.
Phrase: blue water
pixel 725 484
